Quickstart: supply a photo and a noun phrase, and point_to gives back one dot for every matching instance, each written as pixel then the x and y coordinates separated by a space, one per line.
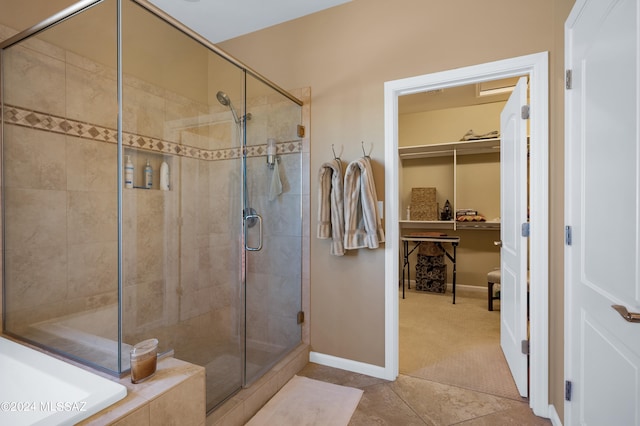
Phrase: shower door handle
pixel 246 231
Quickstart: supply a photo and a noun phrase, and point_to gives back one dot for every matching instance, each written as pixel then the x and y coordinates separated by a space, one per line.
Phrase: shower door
pixel 182 244
pixel 273 227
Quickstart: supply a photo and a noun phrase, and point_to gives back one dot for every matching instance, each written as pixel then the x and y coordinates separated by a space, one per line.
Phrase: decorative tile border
pixel 52 123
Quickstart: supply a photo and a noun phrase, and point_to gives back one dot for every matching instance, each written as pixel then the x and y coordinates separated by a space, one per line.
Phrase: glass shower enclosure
pixel 205 254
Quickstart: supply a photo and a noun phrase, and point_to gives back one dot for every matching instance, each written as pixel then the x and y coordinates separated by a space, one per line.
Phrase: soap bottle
pixel 128 173
pixel 148 175
pixel 164 176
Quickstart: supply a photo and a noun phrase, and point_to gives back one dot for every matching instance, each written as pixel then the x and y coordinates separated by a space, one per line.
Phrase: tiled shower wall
pixel 181 250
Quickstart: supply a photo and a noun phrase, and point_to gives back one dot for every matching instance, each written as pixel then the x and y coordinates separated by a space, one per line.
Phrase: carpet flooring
pixel 458 345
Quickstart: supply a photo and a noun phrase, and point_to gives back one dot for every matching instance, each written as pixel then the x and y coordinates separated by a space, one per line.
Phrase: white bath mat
pixel 307 402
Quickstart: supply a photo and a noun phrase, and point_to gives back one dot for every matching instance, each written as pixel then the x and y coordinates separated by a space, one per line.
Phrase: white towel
pixel 275 188
pixel 362 224
pixel 331 206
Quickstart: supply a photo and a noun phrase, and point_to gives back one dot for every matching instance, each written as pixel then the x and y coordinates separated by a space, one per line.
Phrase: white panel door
pixel 513 254
pixel 602 356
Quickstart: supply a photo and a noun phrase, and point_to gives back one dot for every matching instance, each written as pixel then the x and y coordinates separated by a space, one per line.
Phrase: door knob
pixel 497 243
pixel 628 316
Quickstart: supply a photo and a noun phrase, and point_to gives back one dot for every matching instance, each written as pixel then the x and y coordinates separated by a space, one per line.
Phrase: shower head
pixel 225 100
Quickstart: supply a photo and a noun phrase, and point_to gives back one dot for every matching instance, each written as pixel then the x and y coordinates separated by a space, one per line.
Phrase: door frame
pixel 535 66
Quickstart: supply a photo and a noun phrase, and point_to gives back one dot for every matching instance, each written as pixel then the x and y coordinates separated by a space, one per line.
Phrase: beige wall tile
pixel 178 108
pixel 108 72
pixel 143 112
pixel 139 417
pixel 34 218
pixel 263 392
pixel 93 268
pixel 183 405
pixel 91 98
pixel 35 81
pixel 34 159
pixel 150 302
pixel 91 217
pixel 35 276
pixel 91 166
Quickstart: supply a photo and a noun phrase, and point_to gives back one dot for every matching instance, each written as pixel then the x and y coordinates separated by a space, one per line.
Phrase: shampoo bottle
pixel 128 173
pixel 164 176
pixel 148 175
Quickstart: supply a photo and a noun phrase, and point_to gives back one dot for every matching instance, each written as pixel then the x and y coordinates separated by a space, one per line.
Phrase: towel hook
pixel 363 151
pixel 335 157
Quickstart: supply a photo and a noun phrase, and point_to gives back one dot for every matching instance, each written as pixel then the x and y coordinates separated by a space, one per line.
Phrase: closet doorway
pixel 535 68
pixel 450 142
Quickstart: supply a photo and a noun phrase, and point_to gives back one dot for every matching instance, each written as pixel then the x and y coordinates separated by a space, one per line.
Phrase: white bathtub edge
pixel 102 392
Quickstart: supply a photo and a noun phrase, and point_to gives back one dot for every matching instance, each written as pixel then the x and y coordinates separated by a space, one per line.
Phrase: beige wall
pixel 345 54
pixel 448 124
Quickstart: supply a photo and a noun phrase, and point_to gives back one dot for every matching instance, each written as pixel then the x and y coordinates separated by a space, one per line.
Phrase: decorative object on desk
pixel 423 204
pixel 447 213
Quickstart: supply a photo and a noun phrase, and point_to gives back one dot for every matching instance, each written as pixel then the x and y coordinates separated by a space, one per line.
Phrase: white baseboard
pixel 347 364
pixel 465 287
pixel 553 416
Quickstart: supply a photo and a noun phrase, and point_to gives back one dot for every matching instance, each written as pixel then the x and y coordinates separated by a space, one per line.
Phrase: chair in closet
pixel 493 278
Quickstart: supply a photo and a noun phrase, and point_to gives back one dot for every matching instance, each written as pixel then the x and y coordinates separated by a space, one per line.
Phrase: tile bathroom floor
pixel 416 401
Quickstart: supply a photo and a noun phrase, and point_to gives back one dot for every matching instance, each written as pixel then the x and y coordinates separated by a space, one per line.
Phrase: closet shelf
pixel 481 146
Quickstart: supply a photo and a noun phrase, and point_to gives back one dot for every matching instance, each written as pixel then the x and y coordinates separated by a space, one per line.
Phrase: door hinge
pixel 524 345
pixel 524 112
pixel 526 229
pixel 567 390
pixel 300 317
pixel 567 235
pixel 300 131
pixel 567 79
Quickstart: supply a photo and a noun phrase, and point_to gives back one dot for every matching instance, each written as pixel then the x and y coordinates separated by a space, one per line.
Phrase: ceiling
pixel 220 20
pixel 216 20
pixel 458 96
